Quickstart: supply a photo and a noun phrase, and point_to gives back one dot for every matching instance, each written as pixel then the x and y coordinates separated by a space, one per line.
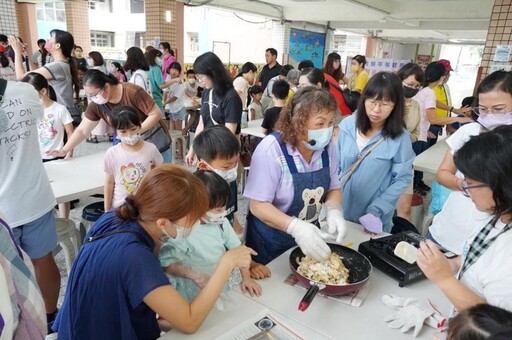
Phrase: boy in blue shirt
pixel 218 150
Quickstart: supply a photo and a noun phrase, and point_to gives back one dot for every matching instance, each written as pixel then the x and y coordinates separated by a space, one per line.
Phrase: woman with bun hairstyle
pixel 116 286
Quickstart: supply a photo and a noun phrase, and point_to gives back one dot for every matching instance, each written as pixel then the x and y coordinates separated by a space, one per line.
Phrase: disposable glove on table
pixel 411 313
pixel 309 239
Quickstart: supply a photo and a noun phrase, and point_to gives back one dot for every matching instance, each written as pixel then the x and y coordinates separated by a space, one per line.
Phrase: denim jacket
pixel 381 177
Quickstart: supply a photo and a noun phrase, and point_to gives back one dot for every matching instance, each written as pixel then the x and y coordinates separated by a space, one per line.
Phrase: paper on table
pixel 354 299
pixel 262 326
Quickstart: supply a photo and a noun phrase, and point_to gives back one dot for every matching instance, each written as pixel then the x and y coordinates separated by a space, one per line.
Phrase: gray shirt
pixel 61 82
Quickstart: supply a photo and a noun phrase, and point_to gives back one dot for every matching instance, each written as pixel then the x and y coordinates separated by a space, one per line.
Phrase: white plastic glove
pixel 308 238
pixel 335 221
pixel 411 313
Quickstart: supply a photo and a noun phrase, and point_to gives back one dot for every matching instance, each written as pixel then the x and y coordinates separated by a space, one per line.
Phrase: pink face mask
pixel 48 45
pixel 492 120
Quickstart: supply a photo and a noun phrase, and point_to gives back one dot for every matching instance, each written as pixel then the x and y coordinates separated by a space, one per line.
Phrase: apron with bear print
pixel 310 189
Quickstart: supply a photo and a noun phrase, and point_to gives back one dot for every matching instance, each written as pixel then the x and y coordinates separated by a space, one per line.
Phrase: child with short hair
pixel 192 260
pixel 174 98
pixel 191 90
pixel 130 160
pixel 218 150
pixel 279 97
pixel 255 108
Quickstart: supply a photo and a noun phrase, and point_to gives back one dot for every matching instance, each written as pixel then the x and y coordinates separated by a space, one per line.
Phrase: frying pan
pixel 358 265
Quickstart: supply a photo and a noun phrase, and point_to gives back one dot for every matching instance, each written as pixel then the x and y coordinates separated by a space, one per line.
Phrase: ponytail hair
pixel 67 44
pixel 246 68
pixel 315 76
pixel 98 79
pixel 168 191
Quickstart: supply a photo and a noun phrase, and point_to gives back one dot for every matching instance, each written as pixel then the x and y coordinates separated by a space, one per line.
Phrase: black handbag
pixel 351 98
pixel 76 113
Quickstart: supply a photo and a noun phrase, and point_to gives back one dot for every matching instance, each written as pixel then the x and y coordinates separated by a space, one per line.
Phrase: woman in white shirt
pixel 482 274
pixel 243 80
pixel 459 216
pixel 138 66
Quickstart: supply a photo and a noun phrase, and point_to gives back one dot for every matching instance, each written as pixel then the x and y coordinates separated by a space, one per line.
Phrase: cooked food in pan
pixel 329 271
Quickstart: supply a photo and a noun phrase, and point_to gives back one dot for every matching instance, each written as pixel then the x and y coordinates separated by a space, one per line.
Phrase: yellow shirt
pixel 359 81
pixel 443 98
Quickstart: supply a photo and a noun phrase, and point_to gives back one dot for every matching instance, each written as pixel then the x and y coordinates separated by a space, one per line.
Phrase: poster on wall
pixel 306 45
pixel 423 60
pixel 502 54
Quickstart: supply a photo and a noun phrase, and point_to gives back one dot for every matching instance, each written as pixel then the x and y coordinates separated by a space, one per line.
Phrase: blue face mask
pixel 318 138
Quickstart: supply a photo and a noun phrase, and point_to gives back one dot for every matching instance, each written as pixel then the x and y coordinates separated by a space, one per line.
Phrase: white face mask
pixel 191 81
pixel 131 139
pixel 181 233
pixel 215 218
pixel 228 175
pixel 99 99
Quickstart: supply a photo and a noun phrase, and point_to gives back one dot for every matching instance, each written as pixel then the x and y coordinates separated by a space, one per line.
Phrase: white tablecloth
pixel 76 177
pixel 254 129
pixel 327 318
pixel 429 160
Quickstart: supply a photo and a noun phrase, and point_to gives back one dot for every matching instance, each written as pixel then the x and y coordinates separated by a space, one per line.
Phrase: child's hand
pixel 200 279
pixel 251 286
pixel 259 271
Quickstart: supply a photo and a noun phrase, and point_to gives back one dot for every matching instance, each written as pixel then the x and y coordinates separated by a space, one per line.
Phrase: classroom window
pixel 102 39
pixel 100 5
pixel 137 6
pixel 51 11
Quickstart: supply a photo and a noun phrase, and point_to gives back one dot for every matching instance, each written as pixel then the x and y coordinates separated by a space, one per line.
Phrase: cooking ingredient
pixel 330 271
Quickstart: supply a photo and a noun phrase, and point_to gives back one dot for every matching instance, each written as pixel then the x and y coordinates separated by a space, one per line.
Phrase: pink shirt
pixel 166 63
pixel 128 168
pixel 427 100
pixel 270 179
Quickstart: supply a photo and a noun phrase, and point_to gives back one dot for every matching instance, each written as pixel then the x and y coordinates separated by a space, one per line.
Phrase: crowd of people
pixel 337 149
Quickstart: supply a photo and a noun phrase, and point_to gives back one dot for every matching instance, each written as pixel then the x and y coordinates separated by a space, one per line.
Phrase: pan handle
pixel 310 295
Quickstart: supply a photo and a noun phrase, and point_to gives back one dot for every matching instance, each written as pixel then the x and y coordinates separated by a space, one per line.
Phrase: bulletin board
pixel 306 45
pixel 501 60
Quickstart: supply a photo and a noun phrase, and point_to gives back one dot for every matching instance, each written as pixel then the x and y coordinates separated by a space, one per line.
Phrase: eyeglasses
pixel 91 96
pixel 383 104
pixel 485 110
pixel 466 187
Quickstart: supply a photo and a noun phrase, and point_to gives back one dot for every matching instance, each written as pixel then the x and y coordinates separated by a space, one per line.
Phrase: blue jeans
pixel 167 156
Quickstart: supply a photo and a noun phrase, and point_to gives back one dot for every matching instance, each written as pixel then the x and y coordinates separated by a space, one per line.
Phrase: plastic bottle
pixel 244 124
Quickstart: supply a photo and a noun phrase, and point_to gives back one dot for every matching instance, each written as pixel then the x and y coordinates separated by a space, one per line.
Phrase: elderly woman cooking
pixel 293 172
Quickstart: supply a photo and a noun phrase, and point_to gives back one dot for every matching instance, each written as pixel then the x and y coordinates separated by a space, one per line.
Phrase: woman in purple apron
pixel 293 173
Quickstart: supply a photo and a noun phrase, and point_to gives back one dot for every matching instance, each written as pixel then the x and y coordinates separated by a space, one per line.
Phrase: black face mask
pixel 409 92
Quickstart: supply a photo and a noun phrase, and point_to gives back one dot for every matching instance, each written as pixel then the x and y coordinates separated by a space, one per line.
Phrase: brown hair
pixel 306 102
pixel 329 68
pixel 168 191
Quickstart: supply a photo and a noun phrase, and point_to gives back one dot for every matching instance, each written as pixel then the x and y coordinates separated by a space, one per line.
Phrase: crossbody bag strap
pixel 348 173
pixel 210 104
